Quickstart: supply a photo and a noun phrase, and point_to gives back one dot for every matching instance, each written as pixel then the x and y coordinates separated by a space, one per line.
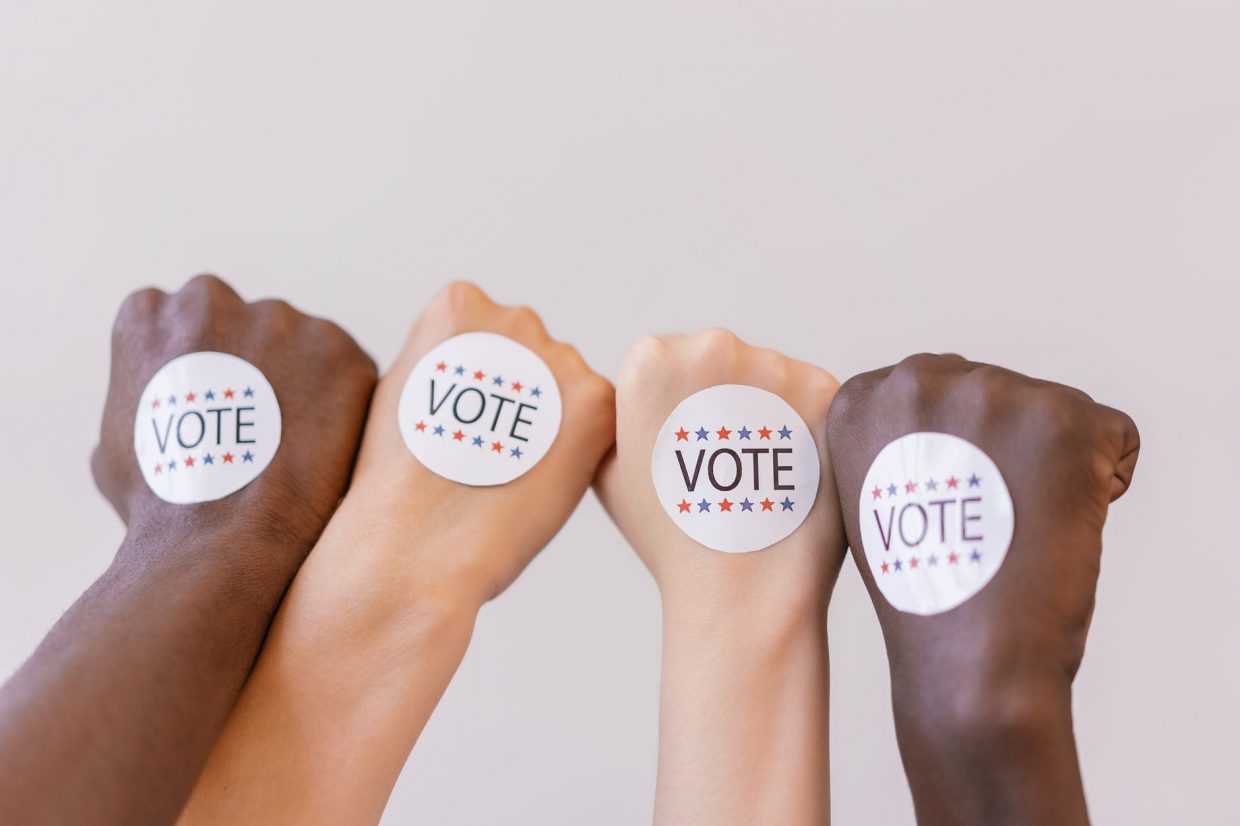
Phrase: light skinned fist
pixel 493 531
pixel 658 374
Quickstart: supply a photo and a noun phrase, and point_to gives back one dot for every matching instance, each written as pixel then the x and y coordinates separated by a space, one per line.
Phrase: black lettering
pixel 518 420
pixel 710 469
pixel 925 524
pixel 456 405
pixel 965 519
pixel 241 424
pixel 202 428
pixel 776 467
pixel 697 469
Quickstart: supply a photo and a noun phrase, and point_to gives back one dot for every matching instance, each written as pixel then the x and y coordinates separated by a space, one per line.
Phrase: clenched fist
pixel 322 381
pixel 712 482
pixel 981 668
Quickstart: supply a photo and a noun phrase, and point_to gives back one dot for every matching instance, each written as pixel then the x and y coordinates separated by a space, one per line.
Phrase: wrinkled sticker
pixel 735 468
pixel 207 424
pixel 480 409
pixel 936 521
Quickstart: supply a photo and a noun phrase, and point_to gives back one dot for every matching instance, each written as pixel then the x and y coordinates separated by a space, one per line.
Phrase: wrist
pixel 994 748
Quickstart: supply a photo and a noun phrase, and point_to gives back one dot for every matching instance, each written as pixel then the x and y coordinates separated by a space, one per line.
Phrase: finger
pixel 1125 441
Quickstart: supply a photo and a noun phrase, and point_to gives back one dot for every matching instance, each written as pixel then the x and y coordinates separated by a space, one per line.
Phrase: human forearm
pixel 989 748
pixel 89 713
pixel 743 711
pixel 361 652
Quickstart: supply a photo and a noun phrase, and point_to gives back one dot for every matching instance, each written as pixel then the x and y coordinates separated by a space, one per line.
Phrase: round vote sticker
pixel 936 521
pixel 735 468
pixel 207 424
pixel 480 409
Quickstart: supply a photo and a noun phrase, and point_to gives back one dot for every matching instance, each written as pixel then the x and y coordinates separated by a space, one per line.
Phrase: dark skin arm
pixel 982 693
pixel 113 716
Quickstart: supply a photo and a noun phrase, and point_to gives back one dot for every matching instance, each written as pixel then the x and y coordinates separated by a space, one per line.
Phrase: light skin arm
pixel 112 718
pixel 379 617
pixel 743 698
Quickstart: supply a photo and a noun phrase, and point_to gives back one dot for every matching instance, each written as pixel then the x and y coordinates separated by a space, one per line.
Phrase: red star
pixel 725 505
pixel 909 487
pixel 479 375
pixel 189 461
pixel 764 433
pixel 912 563
pixel 159 469
pixel 682 435
pixel 458 435
pixel 766 504
pixel 952 482
pixel 228 394
pixel 723 432
pixel 886 567
pixel 953 557
pixel 878 493
pixel 189 397
pixel 228 458
pixel 420 426
pixel 441 367
pixel 516 385
pixel 496 447
pixel 155 404
pixel 684 506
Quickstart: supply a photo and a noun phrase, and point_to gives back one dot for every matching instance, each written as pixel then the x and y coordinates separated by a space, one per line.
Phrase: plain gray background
pixel 1049 186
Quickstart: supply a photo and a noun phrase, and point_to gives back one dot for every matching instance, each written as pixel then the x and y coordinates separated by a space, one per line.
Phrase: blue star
pixel 172 400
pixel 459 370
pixel 172 465
pixel 976 556
pixel 249 393
pixel 744 432
pixel 932 485
pixel 516 452
pixel 438 430
pixel 785 433
pixel 746 505
pixel 899 565
pixel 247 456
pixel 703 506
pixel 787 503
pixel 702 434
pixel 891 490
pixel 478 441
pixel 498 380
pixel 974 481
pixel 934 560
pixel 535 392
pixel 208 459
pixel 210 395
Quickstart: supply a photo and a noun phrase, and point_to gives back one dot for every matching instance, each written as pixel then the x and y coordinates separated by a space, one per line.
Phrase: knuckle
pixel 647 353
pixel 716 339
pixel 205 284
pixel 458 294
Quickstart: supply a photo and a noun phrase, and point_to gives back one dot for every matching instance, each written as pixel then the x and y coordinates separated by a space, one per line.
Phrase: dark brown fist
pixel 322 381
pixel 1064 459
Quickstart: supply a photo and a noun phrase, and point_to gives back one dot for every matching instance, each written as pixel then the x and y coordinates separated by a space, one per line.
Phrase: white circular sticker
pixel 207 424
pixel 735 468
pixel 936 521
pixel 480 409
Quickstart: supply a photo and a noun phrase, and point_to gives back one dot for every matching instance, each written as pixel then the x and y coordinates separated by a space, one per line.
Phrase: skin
pixel 113 716
pixel 382 612
pixel 982 693
pixel 744 693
